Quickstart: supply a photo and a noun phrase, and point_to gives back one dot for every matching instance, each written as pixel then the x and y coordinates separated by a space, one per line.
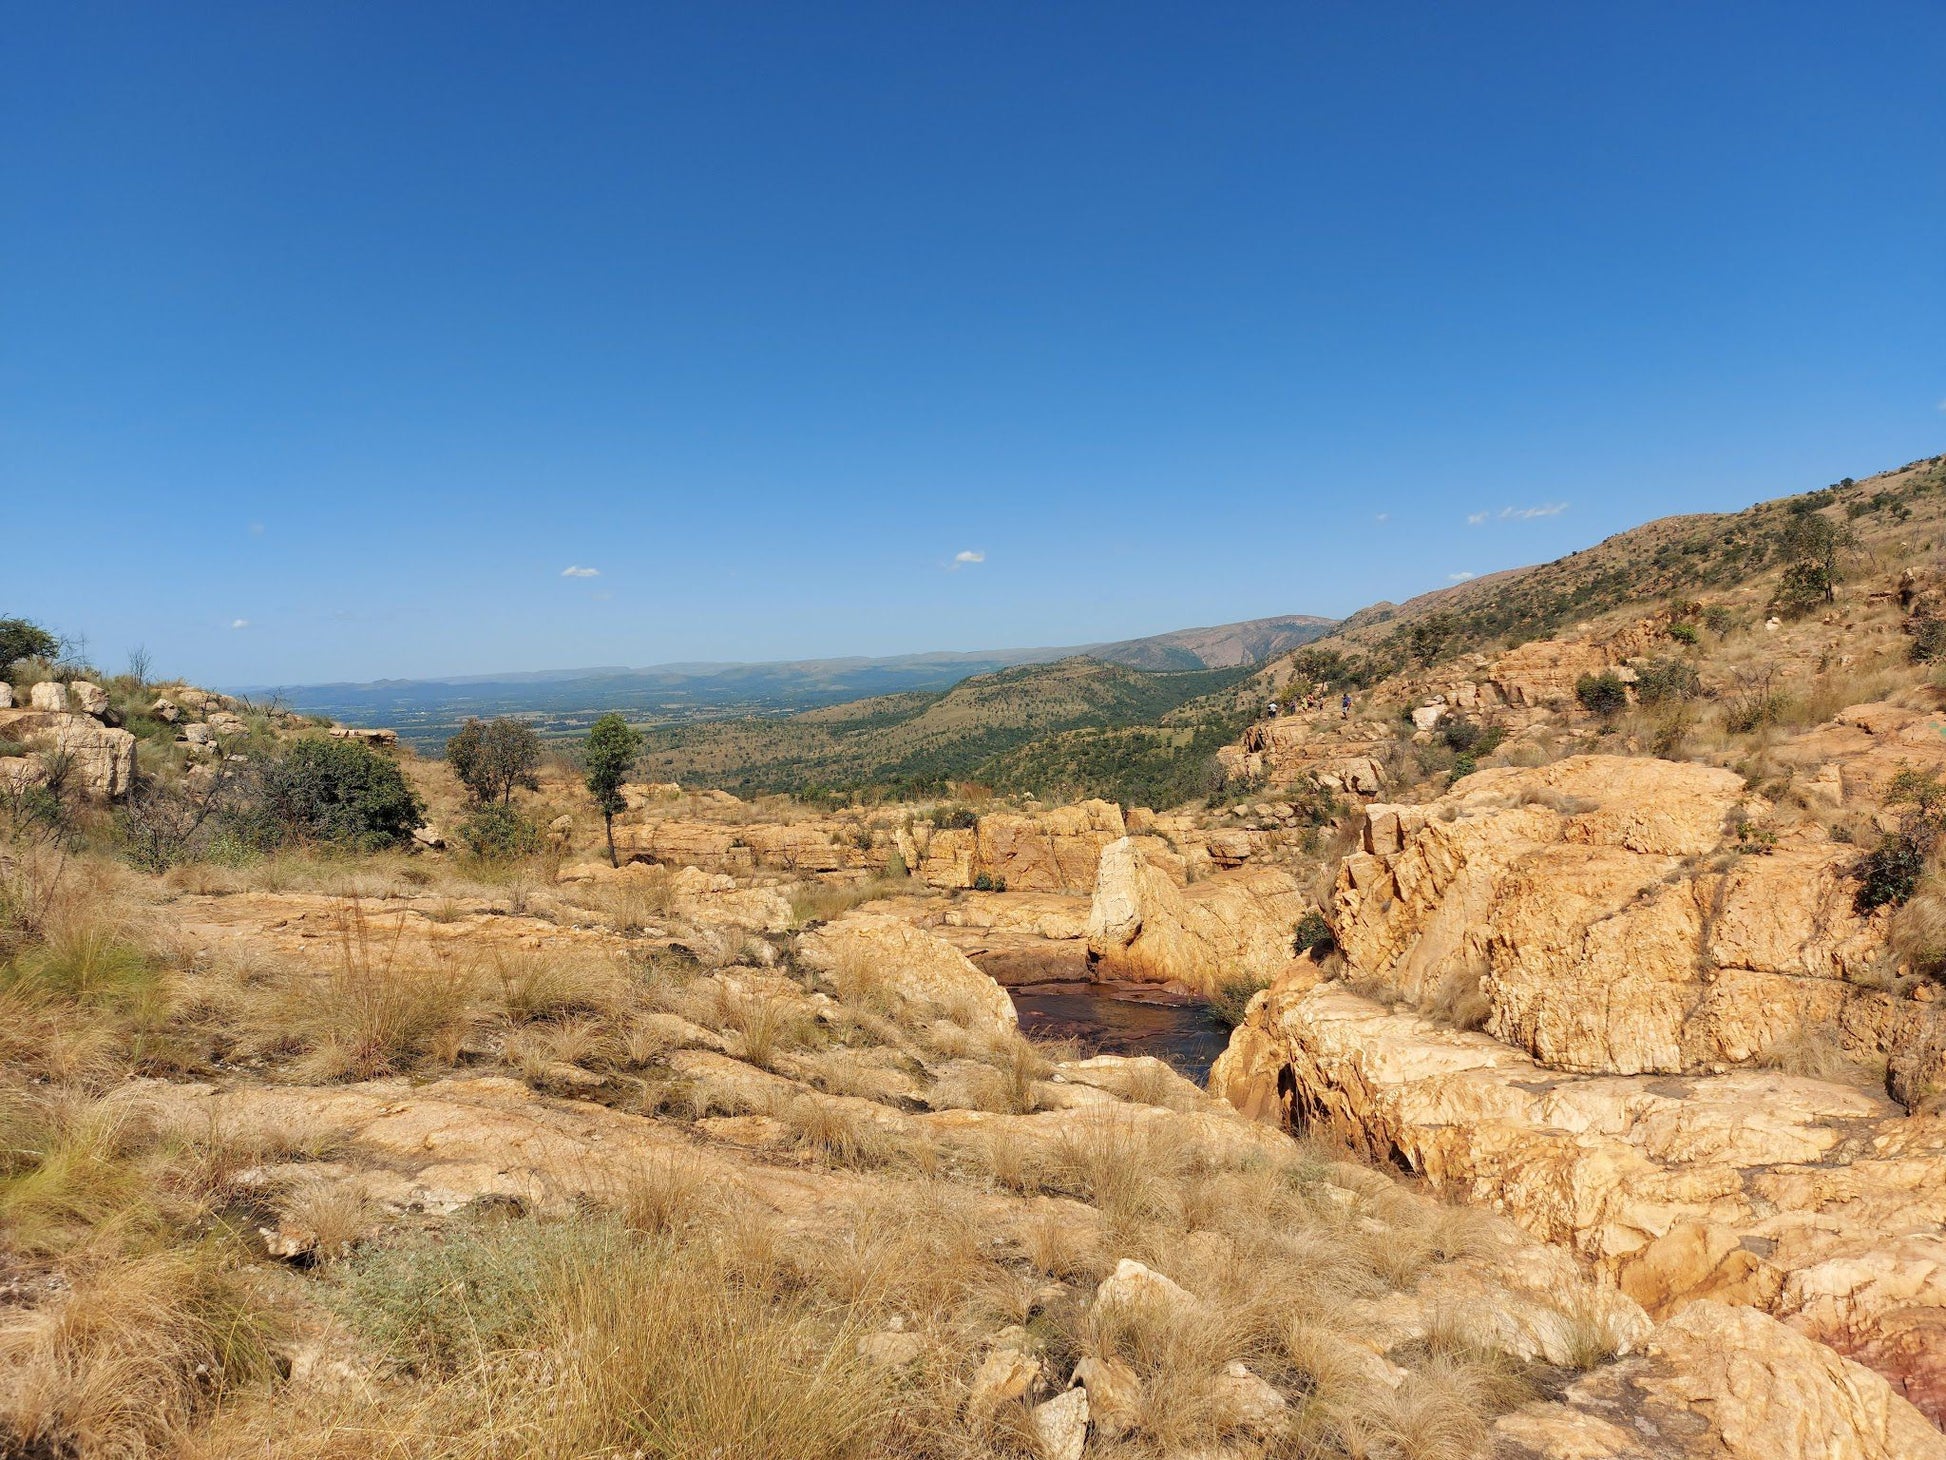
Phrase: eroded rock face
pixel 1052 851
pixel 1143 926
pixel 1601 906
pixel 1821 1203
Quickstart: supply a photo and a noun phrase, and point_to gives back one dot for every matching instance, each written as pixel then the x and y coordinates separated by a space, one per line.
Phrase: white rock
pixel 1114 1395
pixel 892 1349
pixel 1133 1285
pixel 1061 1425
pixel 1246 1401
pixel 49 695
pixel 1006 1374
pixel 6 695
pixel 87 697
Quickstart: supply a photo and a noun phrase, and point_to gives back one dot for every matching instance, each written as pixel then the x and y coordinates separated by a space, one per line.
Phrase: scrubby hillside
pixel 992 727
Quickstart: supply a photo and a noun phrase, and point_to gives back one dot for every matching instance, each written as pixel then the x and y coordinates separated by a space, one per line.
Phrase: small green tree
pixel 22 639
pixel 494 757
pixel 1812 546
pixel 612 747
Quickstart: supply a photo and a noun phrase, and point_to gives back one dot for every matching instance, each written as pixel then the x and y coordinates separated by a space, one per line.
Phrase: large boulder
pixel 913 963
pixel 1230 927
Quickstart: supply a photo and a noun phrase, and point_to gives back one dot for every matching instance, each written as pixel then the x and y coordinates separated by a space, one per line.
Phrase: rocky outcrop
pixel 1724 1383
pixel 100 759
pixel 913 964
pixel 1050 851
pixel 1607 913
pixel 1232 926
pixel 1819 1202
pixel 1041 851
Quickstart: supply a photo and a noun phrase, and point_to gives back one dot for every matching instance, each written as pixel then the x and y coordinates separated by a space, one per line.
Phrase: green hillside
pixel 1043 728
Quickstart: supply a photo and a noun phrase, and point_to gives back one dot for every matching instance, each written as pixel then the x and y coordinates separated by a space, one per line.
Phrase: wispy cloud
pixel 1383 517
pixel 1474 519
pixel 1460 577
pixel 965 559
pixel 580 572
pixel 1524 514
pixel 239 623
pixel 256 529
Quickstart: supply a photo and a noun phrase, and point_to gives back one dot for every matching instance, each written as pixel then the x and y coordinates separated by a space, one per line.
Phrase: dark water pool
pixel 1103 1020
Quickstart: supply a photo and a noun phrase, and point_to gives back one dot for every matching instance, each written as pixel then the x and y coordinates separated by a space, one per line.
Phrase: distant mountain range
pixel 566 700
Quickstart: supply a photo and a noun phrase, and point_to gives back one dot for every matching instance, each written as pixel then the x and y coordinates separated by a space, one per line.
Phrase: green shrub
pixel 1464 765
pixel 1928 637
pixel 1312 935
pixel 494 757
pixel 986 883
pixel 1601 694
pixel 955 818
pixel 497 833
pixel 1667 681
pixel 1889 873
pixel 327 790
pixel 1684 633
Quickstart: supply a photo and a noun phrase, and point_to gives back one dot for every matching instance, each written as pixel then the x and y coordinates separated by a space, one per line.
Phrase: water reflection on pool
pixel 1104 1020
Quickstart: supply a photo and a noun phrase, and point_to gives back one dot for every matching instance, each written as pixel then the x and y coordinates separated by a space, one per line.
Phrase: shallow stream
pixel 1105 1019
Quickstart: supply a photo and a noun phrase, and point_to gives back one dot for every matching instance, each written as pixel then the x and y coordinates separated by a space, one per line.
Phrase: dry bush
pixel 130 1357
pixel 540 984
pixel 1127 1169
pixel 333 1214
pixel 841 1134
pixel 1059 1244
pixel 1815 1052
pixel 673 1192
pixel 378 1012
pixel 72 1170
pixel 767 1025
pixel 1918 929
pixel 819 902
pixel 1459 997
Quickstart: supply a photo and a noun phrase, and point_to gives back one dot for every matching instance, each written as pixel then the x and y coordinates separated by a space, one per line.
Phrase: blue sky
pixel 331 336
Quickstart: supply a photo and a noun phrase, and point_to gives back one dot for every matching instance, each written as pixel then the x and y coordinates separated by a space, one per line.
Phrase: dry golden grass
pixel 382 1009
pixel 818 902
pixel 131 1356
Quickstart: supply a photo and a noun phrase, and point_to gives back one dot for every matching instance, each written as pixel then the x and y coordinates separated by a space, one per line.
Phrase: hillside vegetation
pixel 1674 558
pixel 1015 727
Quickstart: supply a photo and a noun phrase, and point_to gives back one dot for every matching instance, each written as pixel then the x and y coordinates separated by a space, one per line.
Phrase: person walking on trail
pixel 1344 708
pixel 1273 709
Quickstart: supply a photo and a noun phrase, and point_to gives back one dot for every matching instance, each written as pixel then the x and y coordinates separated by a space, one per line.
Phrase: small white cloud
pixel 239 623
pixel 1524 514
pixel 1460 577
pixel 580 572
pixel 1474 519
pixel 1383 517
pixel 969 556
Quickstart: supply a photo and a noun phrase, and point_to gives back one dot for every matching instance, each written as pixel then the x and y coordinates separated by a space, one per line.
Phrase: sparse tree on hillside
pixel 494 757
pixel 612 748
pixel 22 639
pixel 1812 545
